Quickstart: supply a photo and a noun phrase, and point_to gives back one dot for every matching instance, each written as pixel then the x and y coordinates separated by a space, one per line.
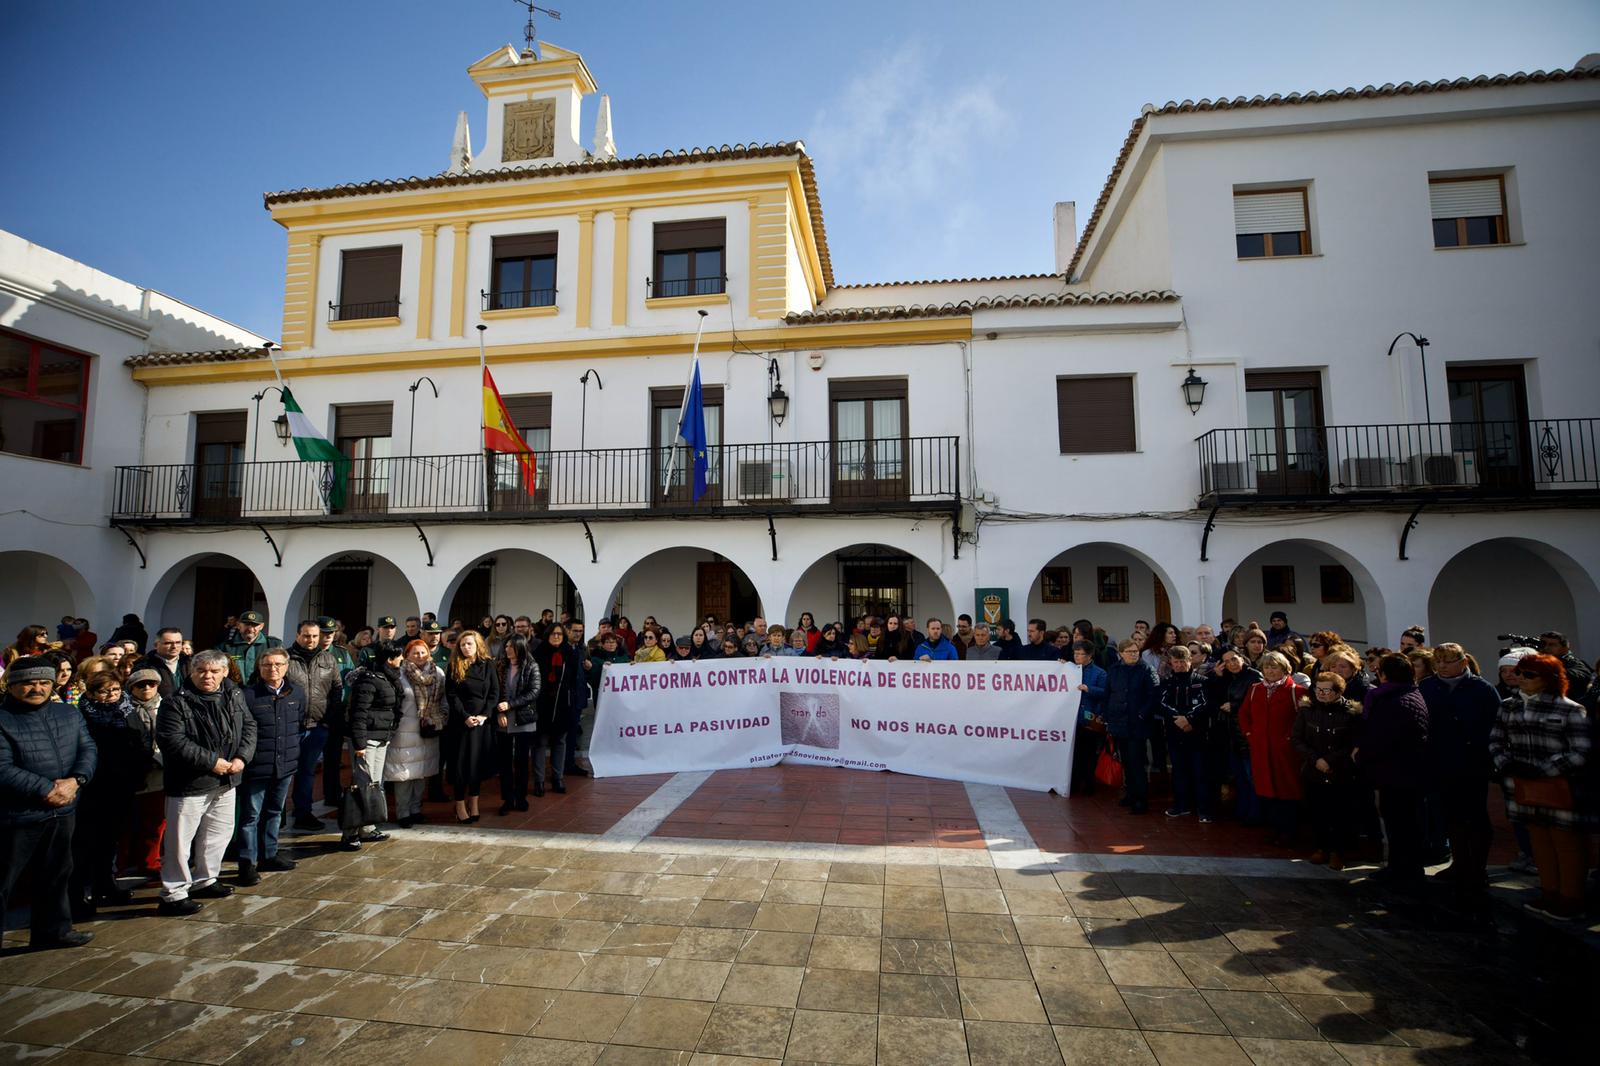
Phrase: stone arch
pixel 519 581
pixel 1147 589
pixel 383 588
pixel 1360 621
pixel 40 589
pixel 1511 585
pixel 198 592
pixel 670 589
pixel 824 586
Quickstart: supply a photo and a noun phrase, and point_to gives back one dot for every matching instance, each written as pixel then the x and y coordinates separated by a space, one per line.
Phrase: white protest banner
pixel 993 723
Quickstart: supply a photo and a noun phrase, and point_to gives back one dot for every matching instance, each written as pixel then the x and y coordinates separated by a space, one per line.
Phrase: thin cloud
pixel 902 144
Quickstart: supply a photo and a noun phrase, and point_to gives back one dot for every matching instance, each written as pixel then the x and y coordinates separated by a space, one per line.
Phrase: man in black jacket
pixel 1186 709
pixel 167 659
pixel 45 757
pixel 278 707
pixel 207 737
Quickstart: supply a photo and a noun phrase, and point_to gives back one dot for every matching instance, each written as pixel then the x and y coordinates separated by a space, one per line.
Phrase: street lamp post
pixel 1422 351
pixel 412 432
pixel 255 439
pixel 583 416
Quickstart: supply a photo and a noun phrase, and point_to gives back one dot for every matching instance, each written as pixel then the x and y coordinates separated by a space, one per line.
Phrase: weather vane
pixel 527 31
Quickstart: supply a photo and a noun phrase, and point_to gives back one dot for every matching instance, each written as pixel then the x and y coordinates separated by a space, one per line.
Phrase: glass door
pixel 869 448
pixel 1285 435
pixel 219 464
pixel 672 467
pixel 368 488
pixel 1489 425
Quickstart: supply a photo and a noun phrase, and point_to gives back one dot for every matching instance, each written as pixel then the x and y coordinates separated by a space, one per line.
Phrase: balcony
pixel 1538 459
pixel 915 474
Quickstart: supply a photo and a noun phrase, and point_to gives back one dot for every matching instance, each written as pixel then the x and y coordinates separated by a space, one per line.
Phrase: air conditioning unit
pixel 1456 470
pixel 764 479
pixel 1365 473
pixel 1238 476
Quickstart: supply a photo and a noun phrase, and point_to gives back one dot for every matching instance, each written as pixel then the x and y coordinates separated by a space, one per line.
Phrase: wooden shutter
pixel 867 389
pixel 1283 211
pixel 1477 198
pixel 523 245
pixel 363 420
pixel 370 275
pixel 221 427
pixel 1095 414
pixel 680 236
pixel 529 411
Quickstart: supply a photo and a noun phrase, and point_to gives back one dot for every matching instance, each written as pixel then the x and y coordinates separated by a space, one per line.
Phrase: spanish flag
pixel 499 435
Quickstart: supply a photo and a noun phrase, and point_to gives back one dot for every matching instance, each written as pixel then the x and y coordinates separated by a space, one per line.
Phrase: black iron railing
pixel 512 299
pixel 663 287
pixel 916 473
pixel 370 309
pixel 1503 458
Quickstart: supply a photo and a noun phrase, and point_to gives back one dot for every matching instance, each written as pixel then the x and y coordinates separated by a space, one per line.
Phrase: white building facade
pixel 1015 444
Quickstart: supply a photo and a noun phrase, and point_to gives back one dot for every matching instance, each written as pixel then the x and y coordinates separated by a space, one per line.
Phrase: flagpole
pixel 269 346
pixel 483 365
pixel 684 407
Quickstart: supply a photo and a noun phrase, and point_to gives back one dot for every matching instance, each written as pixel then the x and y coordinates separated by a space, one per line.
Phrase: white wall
pixel 1115 618
pixel 1243 598
pixel 1497 588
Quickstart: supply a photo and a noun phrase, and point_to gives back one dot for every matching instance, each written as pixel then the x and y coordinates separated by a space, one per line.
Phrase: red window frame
pixel 35 348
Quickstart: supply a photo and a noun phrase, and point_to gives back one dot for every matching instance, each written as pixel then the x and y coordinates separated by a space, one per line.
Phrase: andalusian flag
pixel 313 447
pixel 499 435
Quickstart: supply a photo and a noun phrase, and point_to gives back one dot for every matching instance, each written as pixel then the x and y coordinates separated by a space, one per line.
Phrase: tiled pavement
pixel 471 947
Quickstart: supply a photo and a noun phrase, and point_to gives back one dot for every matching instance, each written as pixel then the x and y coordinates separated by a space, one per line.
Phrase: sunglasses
pixel 1325 691
pixel 145 684
pixel 1528 673
pixel 1318 644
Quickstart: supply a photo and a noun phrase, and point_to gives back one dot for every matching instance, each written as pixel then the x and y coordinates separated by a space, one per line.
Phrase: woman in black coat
pixel 373 714
pixel 105 802
pixel 1232 680
pixel 1325 733
pixel 517 721
pixel 472 692
pixel 560 674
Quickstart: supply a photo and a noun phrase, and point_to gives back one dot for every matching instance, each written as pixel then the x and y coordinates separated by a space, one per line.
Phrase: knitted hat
pixel 1515 656
pixel 31 668
pixel 147 674
pixel 685 642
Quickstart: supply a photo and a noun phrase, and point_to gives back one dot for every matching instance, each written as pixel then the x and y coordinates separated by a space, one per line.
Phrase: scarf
pixel 104 715
pixel 426 688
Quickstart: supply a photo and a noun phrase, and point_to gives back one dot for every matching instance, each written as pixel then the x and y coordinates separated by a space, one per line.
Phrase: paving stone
pixel 582 1016
pixel 1179 1010
pixel 1009 1043
pixel 688 979
pixel 1005 961
pixel 1187 1049
pixel 757 1032
pixel 1103 1047
pixel 1085 1003
pixel 833 1037
pixel 850 921
pixel 844 953
pixel 715 945
pixel 986 999
pixel 915 925
pixel 919 995
pixel 763 986
pixel 921 1042
pixel 771 948
pixel 851 991
pixel 671 1024
pixel 1142 968
pixel 791 917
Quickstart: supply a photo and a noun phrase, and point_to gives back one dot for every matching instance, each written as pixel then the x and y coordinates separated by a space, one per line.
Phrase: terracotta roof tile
pixel 946 281
pixel 215 355
pixel 982 303
pixel 681 157
pixel 1237 103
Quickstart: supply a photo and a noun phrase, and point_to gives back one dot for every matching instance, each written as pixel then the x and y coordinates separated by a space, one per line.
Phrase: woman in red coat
pixel 1266 720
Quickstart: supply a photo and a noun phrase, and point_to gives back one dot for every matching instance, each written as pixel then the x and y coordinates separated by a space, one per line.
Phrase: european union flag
pixel 692 430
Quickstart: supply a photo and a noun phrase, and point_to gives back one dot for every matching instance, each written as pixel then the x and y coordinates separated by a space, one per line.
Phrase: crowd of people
pixel 115 758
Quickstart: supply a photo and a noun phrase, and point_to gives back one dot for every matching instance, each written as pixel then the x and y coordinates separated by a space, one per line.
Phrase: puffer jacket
pixel 318 677
pixel 278 716
pixel 1326 731
pixel 195 730
pixel 412 756
pixel 376 694
pixel 1394 736
pixel 38 747
pixel 1130 703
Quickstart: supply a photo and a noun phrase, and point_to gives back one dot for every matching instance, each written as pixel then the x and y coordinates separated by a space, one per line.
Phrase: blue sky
pixel 139 137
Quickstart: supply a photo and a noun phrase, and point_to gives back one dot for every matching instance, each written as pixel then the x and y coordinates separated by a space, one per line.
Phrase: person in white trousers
pixel 207 736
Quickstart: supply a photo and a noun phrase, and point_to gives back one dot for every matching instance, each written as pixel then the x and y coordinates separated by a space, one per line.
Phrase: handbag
pixel 1108 767
pixel 1554 793
pixel 1094 725
pixel 364 805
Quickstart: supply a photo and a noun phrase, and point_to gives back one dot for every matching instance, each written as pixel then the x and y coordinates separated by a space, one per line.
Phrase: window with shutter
pixel 1095 414
pixel 1271 223
pixel 524 272
pixel 1468 212
pixel 690 258
pixel 369 283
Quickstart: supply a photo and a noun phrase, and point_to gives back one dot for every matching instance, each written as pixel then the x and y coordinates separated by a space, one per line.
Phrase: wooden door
pixel 714 591
pixel 1284 412
pixel 219 463
pixel 1163 611
pixel 472 599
